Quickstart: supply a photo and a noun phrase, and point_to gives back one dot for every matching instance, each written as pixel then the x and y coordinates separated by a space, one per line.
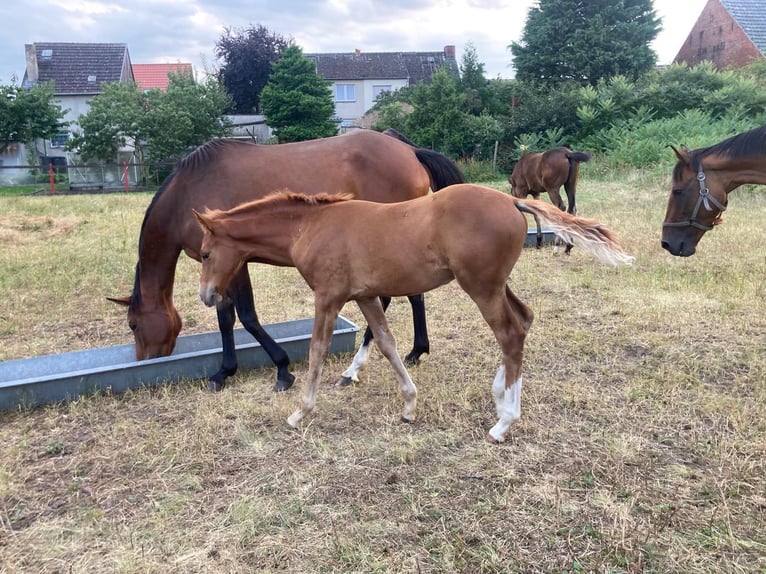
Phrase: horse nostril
pixel 665 245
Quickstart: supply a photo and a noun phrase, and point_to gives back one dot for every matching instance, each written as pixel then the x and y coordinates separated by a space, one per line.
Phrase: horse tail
pixel 442 170
pixel 570 185
pixel 585 233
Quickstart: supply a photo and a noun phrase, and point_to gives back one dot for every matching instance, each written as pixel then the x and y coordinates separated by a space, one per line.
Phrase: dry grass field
pixel 641 447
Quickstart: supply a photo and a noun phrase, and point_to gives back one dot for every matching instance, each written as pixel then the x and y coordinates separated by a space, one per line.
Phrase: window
pixel 59 140
pixel 345 93
pixel 379 89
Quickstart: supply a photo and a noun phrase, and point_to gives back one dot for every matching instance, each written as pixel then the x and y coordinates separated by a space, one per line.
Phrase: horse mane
pixel 399 136
pixel 279 197
pixel 207 153
pixel 752 142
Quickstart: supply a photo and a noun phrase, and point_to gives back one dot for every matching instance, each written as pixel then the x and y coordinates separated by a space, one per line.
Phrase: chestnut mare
pixel 702 180
pixel 359 250
pixel 224 173
pixel 537 173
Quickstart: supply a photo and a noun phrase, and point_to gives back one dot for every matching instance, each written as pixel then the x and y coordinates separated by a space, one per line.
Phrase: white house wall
pixel 364 97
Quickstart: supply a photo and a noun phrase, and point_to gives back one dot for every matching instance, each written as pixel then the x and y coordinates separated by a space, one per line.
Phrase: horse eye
pixel 677 191
pixel 133 327
pixel 205 255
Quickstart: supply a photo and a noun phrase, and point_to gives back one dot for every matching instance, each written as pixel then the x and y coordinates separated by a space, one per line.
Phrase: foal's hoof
pixel 404 419
pixel 490 439
pixel 284 384
pixel 215 386
pixel 344 381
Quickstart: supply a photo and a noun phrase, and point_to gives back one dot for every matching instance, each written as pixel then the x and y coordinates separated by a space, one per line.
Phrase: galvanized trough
pixel 67 376
pixel 531 240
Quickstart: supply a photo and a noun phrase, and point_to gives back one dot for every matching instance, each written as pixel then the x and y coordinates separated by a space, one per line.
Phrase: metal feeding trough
pixel 64 377
pixel 531 240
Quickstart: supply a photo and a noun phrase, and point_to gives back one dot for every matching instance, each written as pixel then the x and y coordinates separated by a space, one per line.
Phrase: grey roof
pixel 751 17
pixel 413 66
pixel 79 68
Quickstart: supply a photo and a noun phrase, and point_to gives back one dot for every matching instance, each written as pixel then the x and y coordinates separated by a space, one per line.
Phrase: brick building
pixel 728 33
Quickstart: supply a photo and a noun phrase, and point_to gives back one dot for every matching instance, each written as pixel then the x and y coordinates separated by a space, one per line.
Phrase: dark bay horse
pixel 359 250
pixel 546 172
pixel 223 173
pixel 702 180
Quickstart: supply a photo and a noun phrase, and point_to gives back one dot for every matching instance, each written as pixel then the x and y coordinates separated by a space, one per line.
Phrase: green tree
pixel 186 115
pixel 586 41
pixel 248 55
pixel 297 102
pixel 437 120
pixel 28 114
pixel 113 121
pixel 161 126
pixel 475 84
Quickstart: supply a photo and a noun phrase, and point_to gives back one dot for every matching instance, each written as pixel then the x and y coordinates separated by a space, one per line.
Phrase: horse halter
pixel 704 199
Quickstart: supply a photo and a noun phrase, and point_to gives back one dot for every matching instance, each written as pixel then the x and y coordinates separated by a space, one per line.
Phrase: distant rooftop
pixel 358 65
pixel 76 68
pixel 751 17
pixel 150 76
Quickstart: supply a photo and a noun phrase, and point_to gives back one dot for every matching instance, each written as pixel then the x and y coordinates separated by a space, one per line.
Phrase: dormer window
pixel 92 79
pixel 46 54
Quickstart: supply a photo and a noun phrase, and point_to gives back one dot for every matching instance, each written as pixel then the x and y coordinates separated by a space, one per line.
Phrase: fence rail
pixel 54 177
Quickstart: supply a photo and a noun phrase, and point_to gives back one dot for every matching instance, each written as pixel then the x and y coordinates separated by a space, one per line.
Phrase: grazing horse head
pixel 696 203
pixel 155 331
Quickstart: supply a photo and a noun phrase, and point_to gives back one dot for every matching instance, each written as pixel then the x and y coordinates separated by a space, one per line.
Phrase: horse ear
pixel 124 301
pixel 683 155
pixel 204 223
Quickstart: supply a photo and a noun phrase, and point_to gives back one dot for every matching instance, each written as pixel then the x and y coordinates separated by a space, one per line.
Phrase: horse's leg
pixel 351 375
pixel 376 319
pixel 226 318
pixel 555 195
pixel 325 315
pixel 241 291
pixel 509 320
pixel 420 344
pixel 570 187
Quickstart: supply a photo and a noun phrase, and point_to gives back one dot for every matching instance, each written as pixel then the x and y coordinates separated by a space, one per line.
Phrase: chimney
pixel 357 52
pixel 31 58
pixel 449 52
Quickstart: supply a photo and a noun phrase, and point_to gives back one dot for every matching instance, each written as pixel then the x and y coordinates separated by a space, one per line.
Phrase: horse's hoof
pixel 215 386
pixel 413 358
pixel 404 419
pixel 283 384
pixel 344 381
pixel 490 439
pixel 294 420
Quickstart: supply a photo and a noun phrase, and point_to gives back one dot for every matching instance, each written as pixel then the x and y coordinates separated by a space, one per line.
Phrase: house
pixel 150 76
pixel 77 72
pixel 358 78
pixel 728 33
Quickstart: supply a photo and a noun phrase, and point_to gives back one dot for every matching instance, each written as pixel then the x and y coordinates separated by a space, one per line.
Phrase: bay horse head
pixel 697 200
pixel 155 331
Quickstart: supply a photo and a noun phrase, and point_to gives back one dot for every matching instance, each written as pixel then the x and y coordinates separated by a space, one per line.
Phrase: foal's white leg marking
pixel 358 363
pixel 385 341
pixel 508 403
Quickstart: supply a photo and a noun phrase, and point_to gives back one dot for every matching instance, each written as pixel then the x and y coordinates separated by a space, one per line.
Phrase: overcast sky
pixel 161 31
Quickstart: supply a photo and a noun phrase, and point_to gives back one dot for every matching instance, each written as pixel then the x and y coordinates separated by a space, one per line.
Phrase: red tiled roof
pixel 150 76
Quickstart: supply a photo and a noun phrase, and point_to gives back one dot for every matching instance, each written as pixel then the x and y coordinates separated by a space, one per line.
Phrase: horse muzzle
pixel 209 295
pixel 679 248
